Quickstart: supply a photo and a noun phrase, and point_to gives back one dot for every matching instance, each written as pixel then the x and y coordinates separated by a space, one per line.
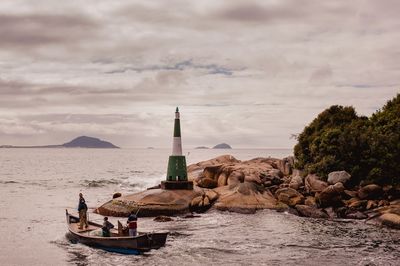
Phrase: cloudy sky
pixel 249 73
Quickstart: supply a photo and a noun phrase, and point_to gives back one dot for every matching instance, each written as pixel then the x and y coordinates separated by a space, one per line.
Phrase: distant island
pixel 222 146
pixel 201 148
pixel 79 142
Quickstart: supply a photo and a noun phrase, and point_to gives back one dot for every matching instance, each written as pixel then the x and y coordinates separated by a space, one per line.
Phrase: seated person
pixel 106 227
pixel 132 224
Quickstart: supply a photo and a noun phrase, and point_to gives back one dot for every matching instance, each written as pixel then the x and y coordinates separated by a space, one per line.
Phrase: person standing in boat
pixel 132 224
pixel 106 227
pixel 82 208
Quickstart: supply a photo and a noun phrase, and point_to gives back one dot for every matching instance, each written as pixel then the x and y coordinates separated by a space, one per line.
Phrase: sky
pixel 248 73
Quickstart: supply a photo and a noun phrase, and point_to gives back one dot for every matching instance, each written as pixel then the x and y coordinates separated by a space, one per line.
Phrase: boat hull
pixel 122 244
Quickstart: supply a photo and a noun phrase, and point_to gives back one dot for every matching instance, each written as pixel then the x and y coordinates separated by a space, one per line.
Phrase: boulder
pixel 289 196
pixel 207 183
pixel 211 195
pixel 338 176
pixel 153 202
pixel 235 178
pixel 371 204
pixel 308 211
pixel 313 183
pixel 354 214
pixel 222 179
pixel 310 201
pixel 296 182
pixel 391 220
pixel 116 195
pixel 246 197
pixel 331 196
pixel 371 191
pixel 358 205
pixel 163 219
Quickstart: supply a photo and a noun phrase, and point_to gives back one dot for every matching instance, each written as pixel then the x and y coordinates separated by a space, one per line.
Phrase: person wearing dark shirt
pixel 82 208
pixel 106 227
pixel 132 224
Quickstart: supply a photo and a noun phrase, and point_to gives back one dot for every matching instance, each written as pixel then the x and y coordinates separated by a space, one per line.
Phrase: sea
pixel 38 185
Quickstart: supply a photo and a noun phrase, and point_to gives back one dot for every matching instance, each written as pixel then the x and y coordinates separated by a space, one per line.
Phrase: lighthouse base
pixel 170 185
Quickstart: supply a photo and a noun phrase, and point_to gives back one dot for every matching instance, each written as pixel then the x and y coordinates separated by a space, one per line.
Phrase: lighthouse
pixel 176 173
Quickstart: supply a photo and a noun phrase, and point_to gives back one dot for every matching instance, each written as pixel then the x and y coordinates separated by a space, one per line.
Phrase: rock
pixel 308 211
pixel 383 203
pixel 391 220
pixel 289 196
pixel 310 201
pixel 222 180
pixel 235 178
pixel 354 214
pixel 116 195
pixel 245 197
pixel 296 182
pixel 163 219
pixel 196 201
pixel 338 176
pixel 350 193
pixel 358 205
pixel 152 202
pixel 371 204
pixel 314 184
pixel 211 195
pixel 207 183
pixel 371 191
pixel 331 196
pixel 331 213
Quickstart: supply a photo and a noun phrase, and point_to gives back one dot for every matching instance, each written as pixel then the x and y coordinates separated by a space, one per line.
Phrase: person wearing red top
pixel 132 224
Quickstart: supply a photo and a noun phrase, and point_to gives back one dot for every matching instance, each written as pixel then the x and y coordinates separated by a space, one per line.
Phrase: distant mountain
pixel 201 148
pixel 89 142
pixel 79 142
pixel 222 146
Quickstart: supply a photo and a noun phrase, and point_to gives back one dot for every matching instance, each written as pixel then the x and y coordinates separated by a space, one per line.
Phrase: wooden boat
pixel 118 241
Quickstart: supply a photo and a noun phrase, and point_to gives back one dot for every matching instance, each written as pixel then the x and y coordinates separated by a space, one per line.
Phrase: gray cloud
pixel 249 73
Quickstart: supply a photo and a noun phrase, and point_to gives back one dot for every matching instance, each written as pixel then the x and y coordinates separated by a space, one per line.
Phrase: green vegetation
pixel 367 148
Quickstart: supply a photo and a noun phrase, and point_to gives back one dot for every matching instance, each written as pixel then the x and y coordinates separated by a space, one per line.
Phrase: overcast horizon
pixel 248 73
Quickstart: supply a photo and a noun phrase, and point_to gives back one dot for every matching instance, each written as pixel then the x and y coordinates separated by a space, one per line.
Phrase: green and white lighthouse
pixel 176 173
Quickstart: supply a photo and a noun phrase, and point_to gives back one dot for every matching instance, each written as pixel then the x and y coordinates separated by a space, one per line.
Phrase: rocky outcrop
pixel 227 184
pixel 153 202
pixel 338 176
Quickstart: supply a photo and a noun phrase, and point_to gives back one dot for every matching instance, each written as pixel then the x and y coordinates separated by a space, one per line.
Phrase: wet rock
pixel 331 196
pixel 391 220
pixel 354 214
pixel 163 219
pixel 383 203
pixel 371 191
pixel 331 213
pixel 338 176
pixel 310 201
pixel 371 204
pixel 358 205
pixel 313 183
pixel 308 211
pixel 116 195
pixel 289 196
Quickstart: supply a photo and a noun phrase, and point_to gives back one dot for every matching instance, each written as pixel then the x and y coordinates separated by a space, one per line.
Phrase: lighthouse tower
pixel 177 173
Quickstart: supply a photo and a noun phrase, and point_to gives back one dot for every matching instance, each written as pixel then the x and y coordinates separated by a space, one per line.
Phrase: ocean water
pixel 37 185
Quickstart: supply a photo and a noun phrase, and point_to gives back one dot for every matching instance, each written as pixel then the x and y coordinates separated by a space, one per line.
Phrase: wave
pixel 99 182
